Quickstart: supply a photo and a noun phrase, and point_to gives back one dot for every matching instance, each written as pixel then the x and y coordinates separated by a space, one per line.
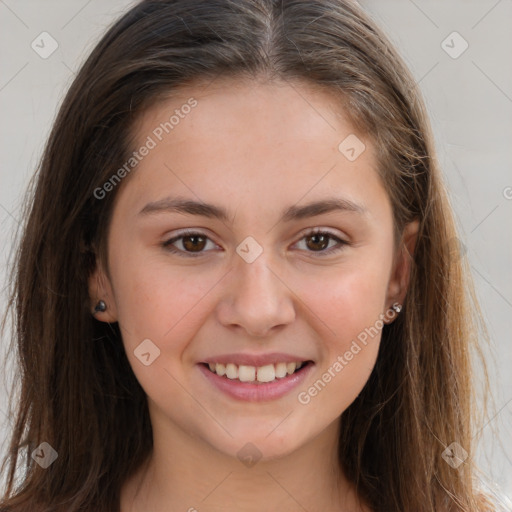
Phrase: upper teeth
pixel 266 373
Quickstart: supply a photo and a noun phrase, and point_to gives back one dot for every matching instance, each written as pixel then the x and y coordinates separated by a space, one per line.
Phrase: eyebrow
pixel 191 207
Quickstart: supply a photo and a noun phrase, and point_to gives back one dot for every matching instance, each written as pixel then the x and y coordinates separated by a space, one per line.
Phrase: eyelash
pixel 168 244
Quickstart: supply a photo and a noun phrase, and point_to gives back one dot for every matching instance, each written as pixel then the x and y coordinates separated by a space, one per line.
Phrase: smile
pixel 262 374
pixel 262 381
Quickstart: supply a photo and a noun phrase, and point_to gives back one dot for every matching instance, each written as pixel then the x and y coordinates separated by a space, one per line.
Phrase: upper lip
pixel 255 359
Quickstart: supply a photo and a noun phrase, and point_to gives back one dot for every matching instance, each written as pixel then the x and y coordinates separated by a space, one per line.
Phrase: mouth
pixel 250 383
pixel 256 374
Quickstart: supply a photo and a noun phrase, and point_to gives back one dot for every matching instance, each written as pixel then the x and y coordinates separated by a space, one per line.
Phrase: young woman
pixel 237 287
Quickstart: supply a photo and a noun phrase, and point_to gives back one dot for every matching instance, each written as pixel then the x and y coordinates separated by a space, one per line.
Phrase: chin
pixel 263 444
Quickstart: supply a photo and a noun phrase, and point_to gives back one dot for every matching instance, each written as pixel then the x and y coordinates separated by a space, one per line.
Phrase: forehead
pixel 231 137
pixel 262 105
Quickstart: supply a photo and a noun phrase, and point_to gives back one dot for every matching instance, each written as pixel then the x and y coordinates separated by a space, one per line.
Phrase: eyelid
pixel 320 229
pixel 188 232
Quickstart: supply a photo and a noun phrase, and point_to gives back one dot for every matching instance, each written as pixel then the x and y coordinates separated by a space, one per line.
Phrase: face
pixel 288 257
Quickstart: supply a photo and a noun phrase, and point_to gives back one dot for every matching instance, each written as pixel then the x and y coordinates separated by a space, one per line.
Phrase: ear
pixel 100 288
pixel 404 259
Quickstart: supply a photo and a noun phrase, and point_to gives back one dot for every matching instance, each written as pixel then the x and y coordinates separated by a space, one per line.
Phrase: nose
pixel 256 298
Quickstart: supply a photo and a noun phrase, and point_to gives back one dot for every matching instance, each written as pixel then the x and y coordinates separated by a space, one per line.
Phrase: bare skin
pixel 255 150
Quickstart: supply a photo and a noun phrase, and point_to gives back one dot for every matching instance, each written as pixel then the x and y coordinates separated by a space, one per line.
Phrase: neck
pixel 186 474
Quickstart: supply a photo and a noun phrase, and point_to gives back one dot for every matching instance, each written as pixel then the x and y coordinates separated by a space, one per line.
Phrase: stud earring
pixel 100 307
pixel 396 307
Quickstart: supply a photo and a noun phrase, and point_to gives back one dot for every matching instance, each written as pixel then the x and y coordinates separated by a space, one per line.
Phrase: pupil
pixel 319 239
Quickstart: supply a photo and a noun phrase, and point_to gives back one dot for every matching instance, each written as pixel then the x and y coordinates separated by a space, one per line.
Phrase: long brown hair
pixel 78 392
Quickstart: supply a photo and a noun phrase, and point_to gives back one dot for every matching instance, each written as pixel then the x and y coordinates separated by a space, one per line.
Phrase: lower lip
pixel 265 392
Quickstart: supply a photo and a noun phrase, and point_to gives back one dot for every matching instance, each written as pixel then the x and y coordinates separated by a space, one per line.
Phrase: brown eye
pixel 322 242
pixel 318 241
pixel 188 244
pixel 194 242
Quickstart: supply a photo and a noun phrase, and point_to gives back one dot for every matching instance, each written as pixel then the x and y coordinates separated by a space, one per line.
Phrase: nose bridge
pixel 256 299
pixel 258 276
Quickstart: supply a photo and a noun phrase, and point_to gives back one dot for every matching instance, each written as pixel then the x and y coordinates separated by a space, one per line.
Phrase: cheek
pixel 348 298
pixel 165 304
pixel 349 310
pixel 157 300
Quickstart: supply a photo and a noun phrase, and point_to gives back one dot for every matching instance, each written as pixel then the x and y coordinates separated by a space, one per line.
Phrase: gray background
pixel 469 99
